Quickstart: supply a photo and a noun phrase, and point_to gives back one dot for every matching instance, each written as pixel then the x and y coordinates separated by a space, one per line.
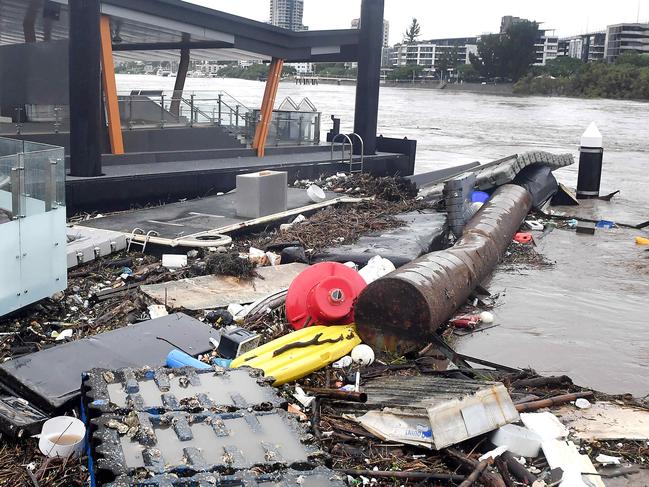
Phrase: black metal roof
pixel 161 27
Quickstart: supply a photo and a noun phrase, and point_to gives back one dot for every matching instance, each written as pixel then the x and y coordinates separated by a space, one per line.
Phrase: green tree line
pixel 253 72
pixel 628 78
pixel 509 55
pixel 260 71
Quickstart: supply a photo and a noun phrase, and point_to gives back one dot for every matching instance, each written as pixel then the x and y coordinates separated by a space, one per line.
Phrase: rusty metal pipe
pixel 406 306
pixel 551 401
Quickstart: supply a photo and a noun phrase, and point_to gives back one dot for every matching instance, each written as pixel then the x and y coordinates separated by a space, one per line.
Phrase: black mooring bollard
pixel 591 155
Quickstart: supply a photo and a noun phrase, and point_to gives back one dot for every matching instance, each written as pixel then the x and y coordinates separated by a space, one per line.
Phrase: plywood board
pixel 606 421
pixel 209 292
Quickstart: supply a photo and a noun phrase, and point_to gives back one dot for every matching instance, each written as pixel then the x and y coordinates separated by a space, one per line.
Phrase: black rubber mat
pixel 33 378
pixel 423 232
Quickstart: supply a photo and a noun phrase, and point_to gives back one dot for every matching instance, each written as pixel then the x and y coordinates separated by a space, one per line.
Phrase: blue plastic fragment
pixel 605 224
pixel 222 362
pixel 479 197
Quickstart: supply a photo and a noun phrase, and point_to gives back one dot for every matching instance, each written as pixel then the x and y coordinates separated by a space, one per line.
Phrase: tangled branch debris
pixel 229 264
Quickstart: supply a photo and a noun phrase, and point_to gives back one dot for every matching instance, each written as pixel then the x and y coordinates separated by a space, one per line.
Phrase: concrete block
pixel 85 244
pixel 261 193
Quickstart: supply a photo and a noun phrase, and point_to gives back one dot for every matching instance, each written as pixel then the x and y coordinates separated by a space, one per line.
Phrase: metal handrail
pixel 360 139
pixel 214 95
pixel 237 102
pixel 351 150
pixel 351 147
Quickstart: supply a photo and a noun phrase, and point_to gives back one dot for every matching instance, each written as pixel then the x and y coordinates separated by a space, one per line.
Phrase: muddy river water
pixel 588 315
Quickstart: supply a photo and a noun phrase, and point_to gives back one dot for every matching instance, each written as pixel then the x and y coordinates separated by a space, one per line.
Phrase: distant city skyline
pixel 456 19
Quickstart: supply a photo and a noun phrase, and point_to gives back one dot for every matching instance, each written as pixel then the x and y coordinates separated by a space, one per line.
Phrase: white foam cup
pixel 62 436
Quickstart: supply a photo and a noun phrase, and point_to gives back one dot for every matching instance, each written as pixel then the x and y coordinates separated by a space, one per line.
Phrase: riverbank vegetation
pixel 253 72
pixel 260 71
pixel 628 78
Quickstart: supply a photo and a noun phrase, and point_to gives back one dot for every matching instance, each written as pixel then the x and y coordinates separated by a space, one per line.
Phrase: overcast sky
pixel 455 18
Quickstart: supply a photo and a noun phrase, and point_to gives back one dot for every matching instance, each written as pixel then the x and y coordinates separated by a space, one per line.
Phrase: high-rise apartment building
pixel 626 38
pixel 587 47
pixel 287 14
pixel 356 24
pixel 547 48
pixel 436 52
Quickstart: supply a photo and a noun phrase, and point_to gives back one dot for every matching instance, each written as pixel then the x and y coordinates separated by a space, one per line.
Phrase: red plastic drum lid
pixel 323 294
pixel 523 237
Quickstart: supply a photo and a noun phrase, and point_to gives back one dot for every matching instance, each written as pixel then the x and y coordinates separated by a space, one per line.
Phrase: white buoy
pixel 363 354
pixel 487 317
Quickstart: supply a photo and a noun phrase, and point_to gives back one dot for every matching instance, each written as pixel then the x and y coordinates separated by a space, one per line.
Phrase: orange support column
pixel 110 88
pixel 255 141
pixel 267 104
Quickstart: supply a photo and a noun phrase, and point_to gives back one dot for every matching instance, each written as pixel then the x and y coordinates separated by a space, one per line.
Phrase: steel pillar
pixel 369 74
pixel 85 88
pixel 181 76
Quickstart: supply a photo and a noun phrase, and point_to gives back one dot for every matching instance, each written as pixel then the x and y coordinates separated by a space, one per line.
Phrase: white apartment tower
pixel 287 14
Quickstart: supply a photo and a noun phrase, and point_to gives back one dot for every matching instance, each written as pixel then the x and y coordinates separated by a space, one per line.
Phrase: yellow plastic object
pixel 286 362
pixel 642 241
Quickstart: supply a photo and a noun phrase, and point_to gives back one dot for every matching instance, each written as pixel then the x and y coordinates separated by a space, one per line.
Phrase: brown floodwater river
pixel 588 315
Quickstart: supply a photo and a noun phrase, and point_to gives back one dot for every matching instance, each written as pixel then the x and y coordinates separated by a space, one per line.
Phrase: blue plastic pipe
pixel 177 359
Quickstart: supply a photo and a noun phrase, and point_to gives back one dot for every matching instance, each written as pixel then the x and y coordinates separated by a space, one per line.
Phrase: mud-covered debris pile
pixel 523 256
pixel 101 296
pixel 23 463
pixel 385 188
pixel 338 225
pixel 229 264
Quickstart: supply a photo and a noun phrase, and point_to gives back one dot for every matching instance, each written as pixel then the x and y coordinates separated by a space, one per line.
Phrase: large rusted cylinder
pixel 406 306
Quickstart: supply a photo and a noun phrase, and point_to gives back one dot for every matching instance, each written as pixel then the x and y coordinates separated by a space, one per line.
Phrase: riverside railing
pixel 289 127
pixel 159 109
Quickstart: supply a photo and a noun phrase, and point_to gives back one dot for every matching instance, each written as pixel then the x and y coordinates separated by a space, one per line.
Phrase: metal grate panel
pixel 183 443
pixel 165 390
